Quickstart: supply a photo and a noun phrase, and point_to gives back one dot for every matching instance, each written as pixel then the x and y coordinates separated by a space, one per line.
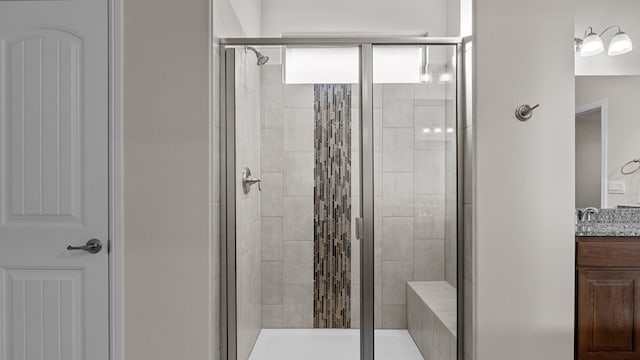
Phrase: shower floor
pixel 333 344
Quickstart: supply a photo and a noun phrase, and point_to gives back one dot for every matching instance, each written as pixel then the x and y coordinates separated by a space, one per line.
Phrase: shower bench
pixel 431 318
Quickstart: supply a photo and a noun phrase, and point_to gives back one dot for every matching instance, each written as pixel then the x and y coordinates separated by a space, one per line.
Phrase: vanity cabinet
pixel 608 298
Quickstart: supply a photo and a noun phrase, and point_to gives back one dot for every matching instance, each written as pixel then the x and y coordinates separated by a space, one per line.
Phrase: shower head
pixel 262 59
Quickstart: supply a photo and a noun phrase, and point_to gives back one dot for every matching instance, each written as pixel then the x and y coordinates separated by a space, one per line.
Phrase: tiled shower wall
pixel 409 197
pixel 287 157
pixel 410 193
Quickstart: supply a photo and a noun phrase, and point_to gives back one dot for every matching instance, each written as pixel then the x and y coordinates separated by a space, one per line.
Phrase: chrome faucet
pixel 586 214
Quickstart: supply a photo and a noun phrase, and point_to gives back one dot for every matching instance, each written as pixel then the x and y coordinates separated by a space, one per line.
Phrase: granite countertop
pixel 611 230
pixel 611 222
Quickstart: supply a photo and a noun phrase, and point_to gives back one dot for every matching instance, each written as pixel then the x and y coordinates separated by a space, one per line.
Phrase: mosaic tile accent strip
pixel 332 207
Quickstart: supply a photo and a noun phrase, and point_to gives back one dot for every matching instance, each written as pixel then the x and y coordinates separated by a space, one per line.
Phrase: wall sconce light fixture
pixel 592 43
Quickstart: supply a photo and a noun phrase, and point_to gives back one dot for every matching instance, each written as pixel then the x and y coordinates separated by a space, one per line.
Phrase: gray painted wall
pixel 166 180
pixel 524 202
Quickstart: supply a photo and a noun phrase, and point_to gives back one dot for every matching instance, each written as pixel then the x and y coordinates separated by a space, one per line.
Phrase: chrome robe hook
pixel 524 112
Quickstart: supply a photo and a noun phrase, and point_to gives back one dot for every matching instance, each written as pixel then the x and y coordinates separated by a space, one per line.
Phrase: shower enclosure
pixel 341 198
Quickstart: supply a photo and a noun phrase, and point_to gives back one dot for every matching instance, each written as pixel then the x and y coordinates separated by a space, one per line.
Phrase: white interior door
pixel 53 179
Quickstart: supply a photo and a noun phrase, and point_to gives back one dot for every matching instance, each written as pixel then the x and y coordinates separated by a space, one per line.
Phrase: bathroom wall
pixel 524 178
pixel 167 164
pixel 459 18
pixel 408 17
pixel 227 24
pixel 600 15
pixel 249 14
pixel 623 130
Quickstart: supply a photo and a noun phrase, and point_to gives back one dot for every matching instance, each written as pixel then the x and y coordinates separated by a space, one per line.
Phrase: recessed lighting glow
pixel 449 130
pixel 437 130
pixel 426 130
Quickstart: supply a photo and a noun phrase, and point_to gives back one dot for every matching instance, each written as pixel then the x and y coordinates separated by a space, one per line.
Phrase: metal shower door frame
pixel 228 280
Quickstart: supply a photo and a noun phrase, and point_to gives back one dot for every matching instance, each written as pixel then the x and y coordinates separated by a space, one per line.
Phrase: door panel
pixel 45 313
pixel 415 201
pixel 42 150
pixel 294 252
pixel 53 179
pixel 608 315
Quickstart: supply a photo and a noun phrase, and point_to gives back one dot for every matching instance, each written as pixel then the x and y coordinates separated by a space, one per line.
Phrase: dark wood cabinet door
pixel 608 314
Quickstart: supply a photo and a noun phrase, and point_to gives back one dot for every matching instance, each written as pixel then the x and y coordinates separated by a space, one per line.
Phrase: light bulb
pixel 591 45
pixel 620 44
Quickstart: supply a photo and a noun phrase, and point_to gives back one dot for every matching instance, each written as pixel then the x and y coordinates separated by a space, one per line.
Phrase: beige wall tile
pixel 271 228
pixel 298 174
pixel 271 194
pixel 298 218
pixel 298 262
pixel 298 306
pixel 271 153
pixel 395 274
pixel 272 281
pixel 394 316
pixel 397 239
pixel 397 150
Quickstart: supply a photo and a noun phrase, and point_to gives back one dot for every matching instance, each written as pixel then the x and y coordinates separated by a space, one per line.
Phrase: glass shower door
pixel 339 197
pixel 415 186
pixel 297 194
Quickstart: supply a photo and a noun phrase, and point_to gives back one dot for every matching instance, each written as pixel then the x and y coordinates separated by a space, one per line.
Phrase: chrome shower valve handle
pixel 248 181
pixel 253 180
